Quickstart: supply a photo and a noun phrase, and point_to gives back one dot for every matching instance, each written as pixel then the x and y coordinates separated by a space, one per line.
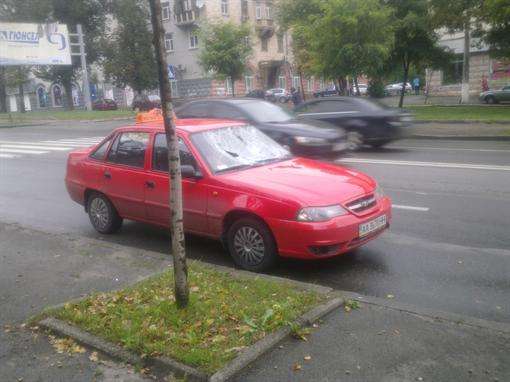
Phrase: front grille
pixel 362 204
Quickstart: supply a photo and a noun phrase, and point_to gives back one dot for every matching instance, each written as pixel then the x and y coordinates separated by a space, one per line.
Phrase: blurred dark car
pixel 303 138
pixel 327 92
pixel 256 93
pixel 366 122
pixel 104 104
pixel 146 102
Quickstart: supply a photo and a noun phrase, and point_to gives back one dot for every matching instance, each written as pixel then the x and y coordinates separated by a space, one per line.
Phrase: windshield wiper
pixel 236 167
pixel 271 160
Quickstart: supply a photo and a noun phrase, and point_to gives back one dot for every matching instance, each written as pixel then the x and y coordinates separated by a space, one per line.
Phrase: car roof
pixel 187 125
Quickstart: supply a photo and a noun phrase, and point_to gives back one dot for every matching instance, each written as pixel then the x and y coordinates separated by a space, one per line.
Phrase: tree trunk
pixel 233 82
pixel 68 89
pixel 3 91
pixel 301 84
pixel 181 288
pixel 356 85
pixel 403 90
pixel 22 107
pixel 465 65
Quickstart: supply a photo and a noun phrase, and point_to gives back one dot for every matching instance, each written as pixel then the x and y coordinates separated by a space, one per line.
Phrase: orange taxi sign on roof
pixel 154 115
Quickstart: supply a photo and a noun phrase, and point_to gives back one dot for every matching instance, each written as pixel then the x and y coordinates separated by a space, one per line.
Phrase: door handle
pixel 107 175
pixel 150 184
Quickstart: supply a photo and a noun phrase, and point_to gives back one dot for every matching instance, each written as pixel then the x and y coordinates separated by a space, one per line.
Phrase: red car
pixel 105 104
pixel 239 186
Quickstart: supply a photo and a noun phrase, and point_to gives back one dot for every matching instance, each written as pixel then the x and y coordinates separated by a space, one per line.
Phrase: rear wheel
pixel 102 214
pixel 282 99
pixel 490 100
pixel 251 244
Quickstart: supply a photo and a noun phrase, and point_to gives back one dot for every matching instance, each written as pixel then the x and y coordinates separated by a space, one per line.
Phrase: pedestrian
pixel 485 84
pixel 416 85
pixel 295 96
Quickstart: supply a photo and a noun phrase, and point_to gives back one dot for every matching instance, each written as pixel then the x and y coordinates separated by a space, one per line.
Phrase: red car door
pixel 157 195
pixel 124 174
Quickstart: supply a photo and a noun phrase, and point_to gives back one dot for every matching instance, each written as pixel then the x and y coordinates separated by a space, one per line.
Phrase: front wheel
pixel 354 140
pixel 102 214
pixel 490 100
pixel 251 245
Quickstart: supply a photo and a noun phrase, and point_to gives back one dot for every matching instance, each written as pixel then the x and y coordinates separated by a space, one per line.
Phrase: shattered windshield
pixel 237 147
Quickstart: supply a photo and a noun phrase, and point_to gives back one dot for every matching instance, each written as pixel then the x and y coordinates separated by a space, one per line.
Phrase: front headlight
pixel 320 214
pixel 379 192
pixel 310 140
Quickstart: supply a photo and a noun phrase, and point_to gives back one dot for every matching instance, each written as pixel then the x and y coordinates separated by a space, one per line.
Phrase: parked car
pixel 277 95
pixel 256 93
pixel 363 89
pixel 396 88
pixel 496 96
pixel 327 92
pixel 366 122
pixel 146 102
pixel 239 186
pixel 304 138
pixel 104 104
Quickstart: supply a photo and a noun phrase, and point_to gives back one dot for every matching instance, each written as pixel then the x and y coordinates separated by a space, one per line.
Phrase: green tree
pixel 458 15
pixel 415 41
pixel 495 29
pixel 17 77
pixel 226 51
pixel 128 53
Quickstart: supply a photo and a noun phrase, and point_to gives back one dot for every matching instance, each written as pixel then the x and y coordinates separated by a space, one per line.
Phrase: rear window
pixel 129 149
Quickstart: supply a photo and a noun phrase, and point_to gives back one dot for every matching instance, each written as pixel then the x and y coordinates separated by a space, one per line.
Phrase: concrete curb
pixel 462 137
pixel 430 313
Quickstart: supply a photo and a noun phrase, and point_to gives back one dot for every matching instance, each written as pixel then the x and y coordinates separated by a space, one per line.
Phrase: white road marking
pixel 448 149
pixel 468 166
pixel 10 156
pixel 411 208
pixel 54 148
pixel 19 151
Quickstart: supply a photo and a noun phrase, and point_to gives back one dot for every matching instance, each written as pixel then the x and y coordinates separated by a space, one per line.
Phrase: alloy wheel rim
pixel 99 213
pixel 354 140
pixel 249 245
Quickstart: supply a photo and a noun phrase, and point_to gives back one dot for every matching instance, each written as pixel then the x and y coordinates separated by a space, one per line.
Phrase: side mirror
pixel 188 171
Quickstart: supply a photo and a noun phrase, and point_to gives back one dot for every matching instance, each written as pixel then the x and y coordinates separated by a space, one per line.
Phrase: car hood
pixel 303 181
pixel 316 129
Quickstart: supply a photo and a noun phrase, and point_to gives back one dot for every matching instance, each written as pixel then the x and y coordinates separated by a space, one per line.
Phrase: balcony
pixel 186 18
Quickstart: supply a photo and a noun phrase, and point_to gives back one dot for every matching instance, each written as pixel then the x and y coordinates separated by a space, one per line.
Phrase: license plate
pixel 372 225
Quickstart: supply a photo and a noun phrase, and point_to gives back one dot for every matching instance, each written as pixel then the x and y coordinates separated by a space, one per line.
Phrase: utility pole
pixel 83 59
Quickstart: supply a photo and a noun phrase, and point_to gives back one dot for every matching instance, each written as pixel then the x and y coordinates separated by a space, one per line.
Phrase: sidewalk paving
pixel 373 343
pixel 376 343
pixel 471 130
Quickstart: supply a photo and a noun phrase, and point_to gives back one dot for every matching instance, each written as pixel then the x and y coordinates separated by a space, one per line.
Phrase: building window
pixel 224 7
pixel 186 6
pixel 165 10
pixel 309 85
pixel 268 13
pixel 282 83
pixel 173 87
pixel 193 40
pixel 258 12
pixel 321 83
pixel 280 43
pixel 244 10
pixel 169 42
pixel 452 74
pixel 228 85
pixel 296 82
pixel 263 43
pixel 248 82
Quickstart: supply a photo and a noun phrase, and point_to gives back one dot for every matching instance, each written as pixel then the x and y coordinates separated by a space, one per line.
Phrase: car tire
pixel 490 100
pixel 251 244
pixel 102 214
pixel 379 144
pixel 354 140
pixel 282 99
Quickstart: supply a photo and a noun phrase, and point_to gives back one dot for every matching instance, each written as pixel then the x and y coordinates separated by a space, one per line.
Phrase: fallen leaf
pixel 390 296
pixel 307 358
pixel 194 289
pixel 296 367
pixel 94 357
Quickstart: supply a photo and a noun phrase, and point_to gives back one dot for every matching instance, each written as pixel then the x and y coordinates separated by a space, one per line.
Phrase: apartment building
pixel 269 66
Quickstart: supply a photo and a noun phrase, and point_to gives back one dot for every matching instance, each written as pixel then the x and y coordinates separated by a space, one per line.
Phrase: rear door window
pixel 223 111
pixel 100 152
pixel 129 149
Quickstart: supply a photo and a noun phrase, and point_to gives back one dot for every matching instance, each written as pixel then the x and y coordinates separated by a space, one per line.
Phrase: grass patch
pixel 225 314
pixel 461 113
pixel 63 115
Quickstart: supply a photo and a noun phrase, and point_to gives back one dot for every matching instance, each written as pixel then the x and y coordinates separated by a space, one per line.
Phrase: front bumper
pixel 326 239
pixel 330 149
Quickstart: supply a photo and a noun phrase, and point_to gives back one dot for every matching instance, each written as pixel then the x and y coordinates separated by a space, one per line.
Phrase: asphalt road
pixel 448 247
